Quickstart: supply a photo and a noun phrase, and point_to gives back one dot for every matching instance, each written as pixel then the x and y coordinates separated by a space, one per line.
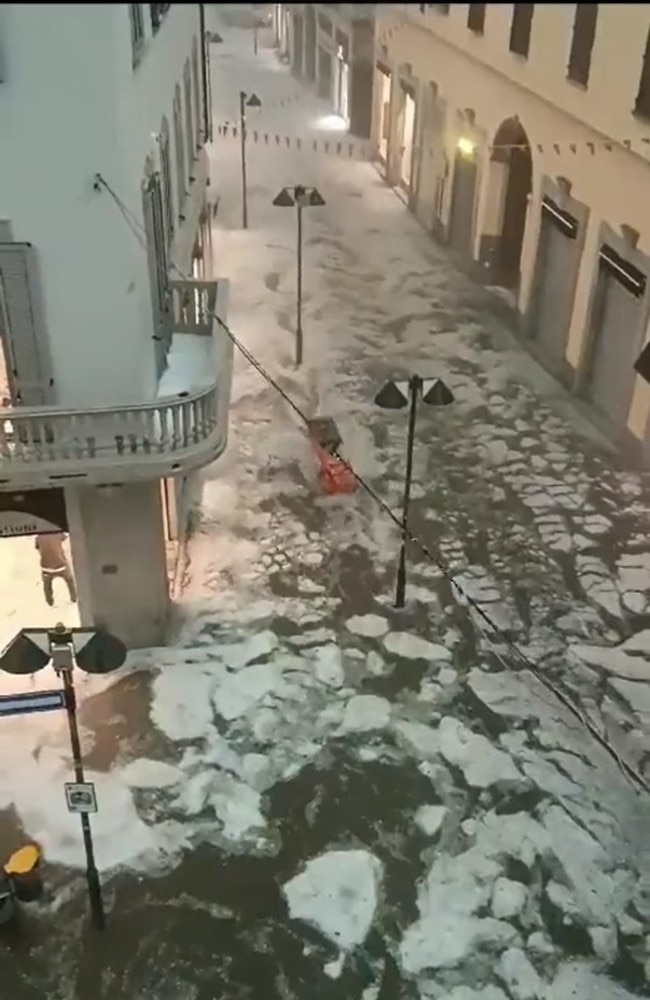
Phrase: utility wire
pixel 627 769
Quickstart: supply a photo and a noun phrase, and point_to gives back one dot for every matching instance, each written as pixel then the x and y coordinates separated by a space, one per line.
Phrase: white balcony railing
pixel 41 446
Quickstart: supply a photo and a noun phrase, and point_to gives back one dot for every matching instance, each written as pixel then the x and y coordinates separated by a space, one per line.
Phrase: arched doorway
pixel 511 181
pixel 310 43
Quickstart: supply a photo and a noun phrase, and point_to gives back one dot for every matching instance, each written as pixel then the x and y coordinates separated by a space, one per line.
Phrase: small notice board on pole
pixel 80 797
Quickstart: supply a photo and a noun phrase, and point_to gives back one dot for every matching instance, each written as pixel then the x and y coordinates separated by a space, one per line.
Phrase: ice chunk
pixel 180 705
pixel 412 647
pixel 365 712
pixel 482 764
pixel 329 666
pixel 521 979
pixel 337 893
pixel 242 690
pixel 367 625
pixel 580 979
pixel 145 773
pixel 429 819
pixel 508 898
pixel 614 660
pixel 445 941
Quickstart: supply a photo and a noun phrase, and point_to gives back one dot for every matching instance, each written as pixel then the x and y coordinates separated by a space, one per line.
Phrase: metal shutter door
pixel 612 371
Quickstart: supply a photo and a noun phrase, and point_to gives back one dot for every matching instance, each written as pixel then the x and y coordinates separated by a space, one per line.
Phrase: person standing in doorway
pixel 54 563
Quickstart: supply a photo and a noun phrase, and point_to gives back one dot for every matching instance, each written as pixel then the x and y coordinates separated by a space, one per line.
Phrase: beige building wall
pixel 586 135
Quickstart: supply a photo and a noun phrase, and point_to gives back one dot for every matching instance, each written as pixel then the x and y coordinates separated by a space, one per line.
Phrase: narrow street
pixel 311 794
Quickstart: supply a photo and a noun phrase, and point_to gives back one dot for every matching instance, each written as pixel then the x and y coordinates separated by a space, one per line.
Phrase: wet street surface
pixel 309 793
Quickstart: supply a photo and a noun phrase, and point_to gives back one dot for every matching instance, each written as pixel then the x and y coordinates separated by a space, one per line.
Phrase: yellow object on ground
pixel 23 861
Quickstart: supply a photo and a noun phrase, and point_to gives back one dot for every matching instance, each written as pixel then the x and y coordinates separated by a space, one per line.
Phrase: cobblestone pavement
pixel 311 794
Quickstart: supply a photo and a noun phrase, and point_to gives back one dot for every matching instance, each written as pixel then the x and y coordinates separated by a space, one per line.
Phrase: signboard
pixel 33 701
pixel 33 512
pixel 80 797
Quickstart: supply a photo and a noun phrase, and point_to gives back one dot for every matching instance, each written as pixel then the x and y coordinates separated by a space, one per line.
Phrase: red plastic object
pixel 334 476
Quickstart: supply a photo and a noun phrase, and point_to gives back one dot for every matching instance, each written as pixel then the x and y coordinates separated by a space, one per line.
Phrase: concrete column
pixel 118 550
pixel 490 227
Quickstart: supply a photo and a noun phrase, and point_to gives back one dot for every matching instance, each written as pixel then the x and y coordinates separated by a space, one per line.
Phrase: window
pixel 642 106
pixel 582 42
pixel 189 125
pixel 180 150
pixel 198 103
pixel 153 213
pixel 136 19
pixel 157 12
pixel 522 21
pixel 476 18
pixel 166 177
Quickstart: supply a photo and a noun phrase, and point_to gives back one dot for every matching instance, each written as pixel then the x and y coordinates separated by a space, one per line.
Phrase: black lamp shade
pixel 102 653
pixel 22 656
pixel 253 101
pixel 438 394
pixel 315 198
pixel 284 199
pixel 391 398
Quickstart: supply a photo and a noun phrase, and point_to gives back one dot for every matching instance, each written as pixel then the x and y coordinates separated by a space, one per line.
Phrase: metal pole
pixel 205 76
pixel 415 387
pixel 242 129
pixel 92 875
pixel 299 291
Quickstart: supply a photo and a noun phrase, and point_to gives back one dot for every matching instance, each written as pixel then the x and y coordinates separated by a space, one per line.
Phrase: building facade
pixel 331 46
pixel 519 134
pixel 116 374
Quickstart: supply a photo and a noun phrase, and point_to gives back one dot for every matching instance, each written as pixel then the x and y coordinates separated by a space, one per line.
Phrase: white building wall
pixel 72 105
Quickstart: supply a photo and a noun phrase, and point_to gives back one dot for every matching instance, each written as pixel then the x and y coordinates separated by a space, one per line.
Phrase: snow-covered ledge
pixel 184 428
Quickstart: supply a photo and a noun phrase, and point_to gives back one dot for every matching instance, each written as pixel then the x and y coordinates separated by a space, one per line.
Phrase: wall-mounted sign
pixel 32 512
pixel 80 797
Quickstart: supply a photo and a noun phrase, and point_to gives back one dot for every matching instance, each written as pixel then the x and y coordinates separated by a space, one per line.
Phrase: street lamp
pixel 96 652
pixel 301 197
pixel 245 101
pixel 393 397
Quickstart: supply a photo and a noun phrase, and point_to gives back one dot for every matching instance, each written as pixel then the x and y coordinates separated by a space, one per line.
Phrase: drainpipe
pixel 205 77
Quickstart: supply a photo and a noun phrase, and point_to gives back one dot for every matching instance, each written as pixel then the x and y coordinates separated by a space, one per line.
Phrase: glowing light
pixel 332 123
pixel 466 147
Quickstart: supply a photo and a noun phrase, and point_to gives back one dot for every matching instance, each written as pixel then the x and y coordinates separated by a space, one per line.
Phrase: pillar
pixel 491 226
pixel 118 550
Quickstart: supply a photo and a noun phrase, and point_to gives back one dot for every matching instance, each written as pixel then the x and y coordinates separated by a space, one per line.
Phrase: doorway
pixel 463 201
pixel 298 38
pixel 512 169
pixel 310 43
pixel 408 134
pixel 617 335
pixel 383 82
pixel 342 86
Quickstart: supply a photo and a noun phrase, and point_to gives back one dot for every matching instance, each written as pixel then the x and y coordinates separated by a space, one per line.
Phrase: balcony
pixel 185 428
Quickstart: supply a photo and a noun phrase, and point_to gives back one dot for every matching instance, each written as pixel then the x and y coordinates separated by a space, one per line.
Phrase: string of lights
pixel 465 598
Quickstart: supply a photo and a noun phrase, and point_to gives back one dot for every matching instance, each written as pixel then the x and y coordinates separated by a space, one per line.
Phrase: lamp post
pixel 393 397
pixel 301 197
pixel 96 652
pixel 245 101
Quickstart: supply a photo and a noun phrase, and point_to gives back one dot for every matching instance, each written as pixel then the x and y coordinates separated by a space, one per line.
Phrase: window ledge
pixel 577 84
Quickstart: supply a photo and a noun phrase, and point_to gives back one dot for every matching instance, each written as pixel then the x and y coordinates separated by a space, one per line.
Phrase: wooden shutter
pixel 153 215
pixel 21 327
pixel 180 149
pixel 582 42
pixel 198 103
pixel 166 178
pixel 520 29
pixel 189 123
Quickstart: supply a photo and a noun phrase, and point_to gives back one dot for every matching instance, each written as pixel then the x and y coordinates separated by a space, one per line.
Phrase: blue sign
pixel 31 701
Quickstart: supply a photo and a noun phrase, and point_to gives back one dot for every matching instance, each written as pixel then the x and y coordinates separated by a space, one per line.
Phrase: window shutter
pixel 166 176
pixel 642 106
pixel 476 18
pixel 198 103
pixel 520 29
pixel 179 148
pixel 30 375
pixel 582 42
pixel 153 215
pixel 189 125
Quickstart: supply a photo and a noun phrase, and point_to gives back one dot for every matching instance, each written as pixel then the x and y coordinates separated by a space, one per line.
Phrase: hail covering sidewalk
pixel 308 793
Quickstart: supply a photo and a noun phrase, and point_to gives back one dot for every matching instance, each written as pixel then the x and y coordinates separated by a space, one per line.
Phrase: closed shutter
pixel 198 103
pixel 180 150
pixel 189 125
pixel 29 370
pixel 153 214
pixel 166 178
